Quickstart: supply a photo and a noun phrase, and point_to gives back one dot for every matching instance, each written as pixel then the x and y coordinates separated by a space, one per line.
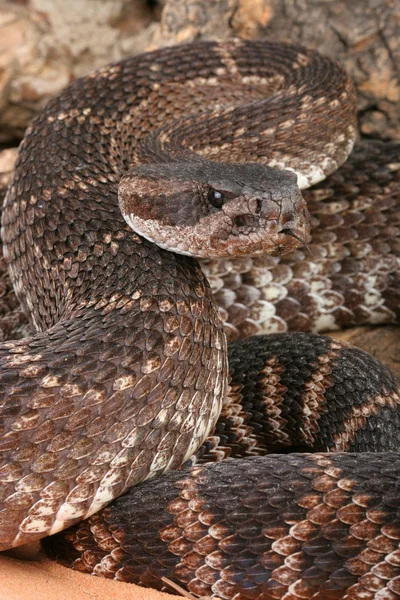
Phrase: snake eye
pixel 216 198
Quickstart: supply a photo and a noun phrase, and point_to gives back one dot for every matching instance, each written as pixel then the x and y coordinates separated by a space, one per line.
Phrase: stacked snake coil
pixel 124 180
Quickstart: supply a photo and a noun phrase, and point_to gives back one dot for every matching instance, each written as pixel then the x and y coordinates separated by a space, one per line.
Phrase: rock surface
pixel 45 44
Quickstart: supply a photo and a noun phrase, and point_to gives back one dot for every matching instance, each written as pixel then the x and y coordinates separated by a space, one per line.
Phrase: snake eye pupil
pixel 216 198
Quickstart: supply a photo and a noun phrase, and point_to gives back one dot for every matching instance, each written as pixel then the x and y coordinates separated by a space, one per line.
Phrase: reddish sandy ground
pixel 25 574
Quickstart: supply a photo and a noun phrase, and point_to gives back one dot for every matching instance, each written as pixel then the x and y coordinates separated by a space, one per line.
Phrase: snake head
pixel 204 208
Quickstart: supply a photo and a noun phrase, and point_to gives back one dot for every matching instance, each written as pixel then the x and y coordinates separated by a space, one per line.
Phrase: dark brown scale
pixel 125 374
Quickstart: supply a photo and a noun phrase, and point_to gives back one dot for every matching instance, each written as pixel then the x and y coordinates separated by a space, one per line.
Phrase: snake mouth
pixel 297 237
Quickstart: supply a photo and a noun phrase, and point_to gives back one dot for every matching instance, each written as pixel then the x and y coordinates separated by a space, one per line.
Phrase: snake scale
pixel 123 177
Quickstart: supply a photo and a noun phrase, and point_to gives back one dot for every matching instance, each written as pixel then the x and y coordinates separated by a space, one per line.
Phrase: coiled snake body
pixel 126 375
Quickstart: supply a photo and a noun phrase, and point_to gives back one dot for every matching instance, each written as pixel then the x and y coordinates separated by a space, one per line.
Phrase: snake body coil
pixel 127 372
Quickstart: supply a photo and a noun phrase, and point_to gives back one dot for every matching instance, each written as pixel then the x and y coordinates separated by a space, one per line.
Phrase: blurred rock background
pixel 45 44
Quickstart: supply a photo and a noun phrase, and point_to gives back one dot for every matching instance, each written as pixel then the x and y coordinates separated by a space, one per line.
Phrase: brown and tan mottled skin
pixel 126 374
pixel 288 525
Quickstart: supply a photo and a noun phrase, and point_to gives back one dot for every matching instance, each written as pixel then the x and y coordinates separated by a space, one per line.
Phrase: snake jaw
pixel 225 237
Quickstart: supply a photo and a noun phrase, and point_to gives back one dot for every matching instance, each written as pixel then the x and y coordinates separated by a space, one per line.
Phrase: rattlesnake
pixel 126 374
